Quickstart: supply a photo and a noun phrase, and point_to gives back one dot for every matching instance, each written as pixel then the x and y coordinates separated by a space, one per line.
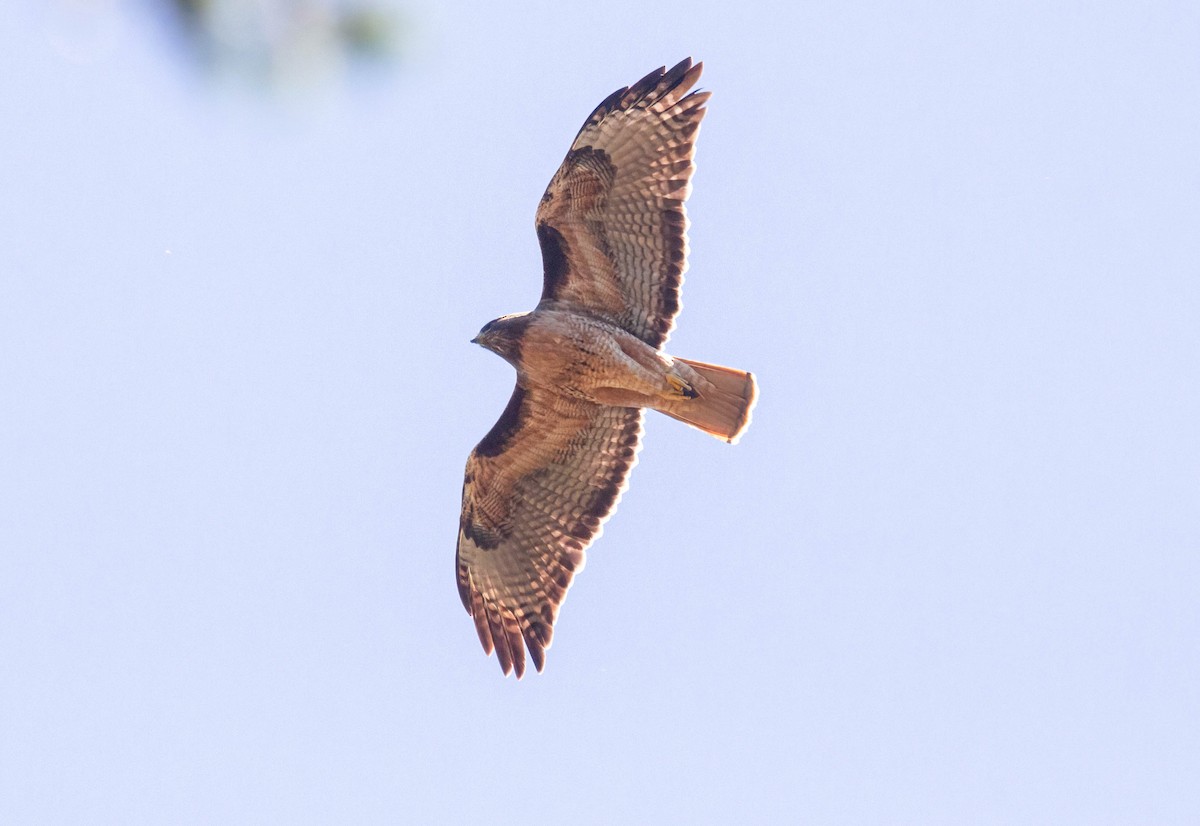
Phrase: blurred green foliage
pixel 287 42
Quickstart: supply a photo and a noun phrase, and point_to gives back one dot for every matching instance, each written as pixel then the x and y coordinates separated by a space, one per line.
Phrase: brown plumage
pixel 613 234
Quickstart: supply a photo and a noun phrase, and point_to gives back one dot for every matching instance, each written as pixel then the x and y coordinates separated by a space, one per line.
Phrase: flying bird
pixel 589 360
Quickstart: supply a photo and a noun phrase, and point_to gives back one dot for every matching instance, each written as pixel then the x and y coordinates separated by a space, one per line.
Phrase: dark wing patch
pixel 617 205
pixel 502 431
pixel 555 263
pixel 529 513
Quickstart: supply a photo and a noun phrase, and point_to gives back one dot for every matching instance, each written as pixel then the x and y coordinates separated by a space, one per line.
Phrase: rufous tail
pixel 723 404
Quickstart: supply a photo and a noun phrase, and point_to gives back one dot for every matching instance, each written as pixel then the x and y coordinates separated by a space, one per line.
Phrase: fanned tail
pixel 722 407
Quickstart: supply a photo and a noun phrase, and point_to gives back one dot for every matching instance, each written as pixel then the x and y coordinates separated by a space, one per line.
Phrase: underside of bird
pixel 539 486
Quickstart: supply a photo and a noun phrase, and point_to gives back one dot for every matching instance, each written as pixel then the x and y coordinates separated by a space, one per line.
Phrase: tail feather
pixel 725 399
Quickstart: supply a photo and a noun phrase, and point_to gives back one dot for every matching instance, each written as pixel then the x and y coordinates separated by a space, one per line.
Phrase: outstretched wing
pixel 612 224
pixel 537 490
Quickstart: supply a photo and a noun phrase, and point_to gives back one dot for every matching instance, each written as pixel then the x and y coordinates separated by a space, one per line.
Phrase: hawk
pixel 589 360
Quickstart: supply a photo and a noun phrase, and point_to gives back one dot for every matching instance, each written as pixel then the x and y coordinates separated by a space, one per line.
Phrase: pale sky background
pixel 950 575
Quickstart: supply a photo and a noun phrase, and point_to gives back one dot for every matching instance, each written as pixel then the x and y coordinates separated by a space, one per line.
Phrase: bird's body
pixel 589 358
pixel 582 357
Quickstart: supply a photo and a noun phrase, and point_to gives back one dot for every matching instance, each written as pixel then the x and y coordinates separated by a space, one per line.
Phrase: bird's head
pixel 503 336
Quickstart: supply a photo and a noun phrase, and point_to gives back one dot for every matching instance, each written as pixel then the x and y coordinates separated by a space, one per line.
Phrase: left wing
pixel 536 492
pixel 612 225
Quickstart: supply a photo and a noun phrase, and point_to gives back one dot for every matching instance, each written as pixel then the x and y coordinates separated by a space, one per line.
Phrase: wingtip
pixel 516 666
pixel 682 78
pixel 538 655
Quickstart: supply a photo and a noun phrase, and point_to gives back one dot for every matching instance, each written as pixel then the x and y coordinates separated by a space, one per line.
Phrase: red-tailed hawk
pixel 589 358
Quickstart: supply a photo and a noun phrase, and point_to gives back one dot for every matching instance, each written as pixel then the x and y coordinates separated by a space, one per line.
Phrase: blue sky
pixel 949 575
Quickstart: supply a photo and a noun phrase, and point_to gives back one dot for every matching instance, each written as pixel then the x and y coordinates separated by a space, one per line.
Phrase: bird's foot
pixel 680 387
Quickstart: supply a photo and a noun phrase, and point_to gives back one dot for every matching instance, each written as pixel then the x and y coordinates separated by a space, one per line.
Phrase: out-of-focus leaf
pixel 276 43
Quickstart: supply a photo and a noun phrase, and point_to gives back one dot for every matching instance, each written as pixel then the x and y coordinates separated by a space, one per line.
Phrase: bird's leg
pixel 656 369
